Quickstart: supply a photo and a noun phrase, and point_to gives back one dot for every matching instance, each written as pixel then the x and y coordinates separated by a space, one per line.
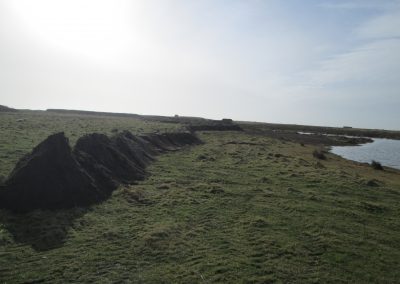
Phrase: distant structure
pixel 347 127
pixel 227 120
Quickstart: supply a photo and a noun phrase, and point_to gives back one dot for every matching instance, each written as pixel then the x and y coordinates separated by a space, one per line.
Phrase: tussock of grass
pixel 319 154
pixel 376 165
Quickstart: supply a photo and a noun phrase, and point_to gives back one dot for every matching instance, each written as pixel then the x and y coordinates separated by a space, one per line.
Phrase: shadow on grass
pixel 41 229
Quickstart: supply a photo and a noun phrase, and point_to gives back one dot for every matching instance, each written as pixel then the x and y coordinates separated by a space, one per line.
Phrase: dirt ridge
pixel 55 176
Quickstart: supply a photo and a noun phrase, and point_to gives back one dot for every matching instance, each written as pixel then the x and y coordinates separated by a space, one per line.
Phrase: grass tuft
pixel 319 154
pixel 376 165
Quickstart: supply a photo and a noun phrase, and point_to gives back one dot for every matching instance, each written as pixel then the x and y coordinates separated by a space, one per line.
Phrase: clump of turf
pixel 376 165
pixel 319 154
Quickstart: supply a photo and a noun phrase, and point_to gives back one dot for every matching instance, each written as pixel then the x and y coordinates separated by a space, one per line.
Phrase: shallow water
pixel 385 151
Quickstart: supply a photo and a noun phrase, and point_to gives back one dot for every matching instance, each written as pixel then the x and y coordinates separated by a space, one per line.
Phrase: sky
pixel 326 62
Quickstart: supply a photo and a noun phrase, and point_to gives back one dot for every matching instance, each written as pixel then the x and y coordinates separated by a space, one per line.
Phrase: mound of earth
pixel 170 141
pixel 48 177
pixel 54 176
pixel 109 162
pixel 216 126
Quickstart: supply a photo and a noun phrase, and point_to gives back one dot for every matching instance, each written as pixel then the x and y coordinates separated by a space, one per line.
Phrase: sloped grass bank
pixel 240 208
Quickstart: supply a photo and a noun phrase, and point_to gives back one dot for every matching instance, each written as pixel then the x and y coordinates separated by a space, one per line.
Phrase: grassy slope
pixel 265 211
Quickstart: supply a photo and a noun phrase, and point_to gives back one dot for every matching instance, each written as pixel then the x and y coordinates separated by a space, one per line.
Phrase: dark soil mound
pixel 49 177
pixel 170 141
pixel 182 138
pixel 53 176
pixel 106 162
pixel 215 127
pixel 124 157
pixel 135 148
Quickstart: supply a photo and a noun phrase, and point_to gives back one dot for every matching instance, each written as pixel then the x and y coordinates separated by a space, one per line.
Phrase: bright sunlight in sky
pixel 82 27
pixel 306 62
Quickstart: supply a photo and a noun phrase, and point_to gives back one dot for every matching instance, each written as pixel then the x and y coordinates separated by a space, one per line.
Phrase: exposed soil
pixel 215 125
pixel 54 176
pixel 48 177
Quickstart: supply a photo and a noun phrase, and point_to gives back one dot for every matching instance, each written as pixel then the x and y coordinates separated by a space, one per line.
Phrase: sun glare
pixel 92 28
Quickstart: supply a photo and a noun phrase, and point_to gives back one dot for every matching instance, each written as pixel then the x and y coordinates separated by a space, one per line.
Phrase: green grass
pixel 262 212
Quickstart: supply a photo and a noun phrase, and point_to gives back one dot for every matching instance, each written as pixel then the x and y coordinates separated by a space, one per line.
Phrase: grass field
pixel 240 208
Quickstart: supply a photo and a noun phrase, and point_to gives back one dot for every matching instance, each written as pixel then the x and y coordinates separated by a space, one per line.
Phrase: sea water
pixel 385 151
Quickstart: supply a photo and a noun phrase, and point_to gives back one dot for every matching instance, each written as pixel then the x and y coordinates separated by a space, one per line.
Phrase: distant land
pixel 189 120
pixel 6 109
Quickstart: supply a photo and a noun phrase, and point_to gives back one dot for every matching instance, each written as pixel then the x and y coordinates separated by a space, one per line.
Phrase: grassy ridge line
pixel 374 133
pixel 158 118
pixel 6 109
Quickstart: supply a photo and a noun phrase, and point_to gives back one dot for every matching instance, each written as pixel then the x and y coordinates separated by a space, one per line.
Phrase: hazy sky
pixel 307 62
